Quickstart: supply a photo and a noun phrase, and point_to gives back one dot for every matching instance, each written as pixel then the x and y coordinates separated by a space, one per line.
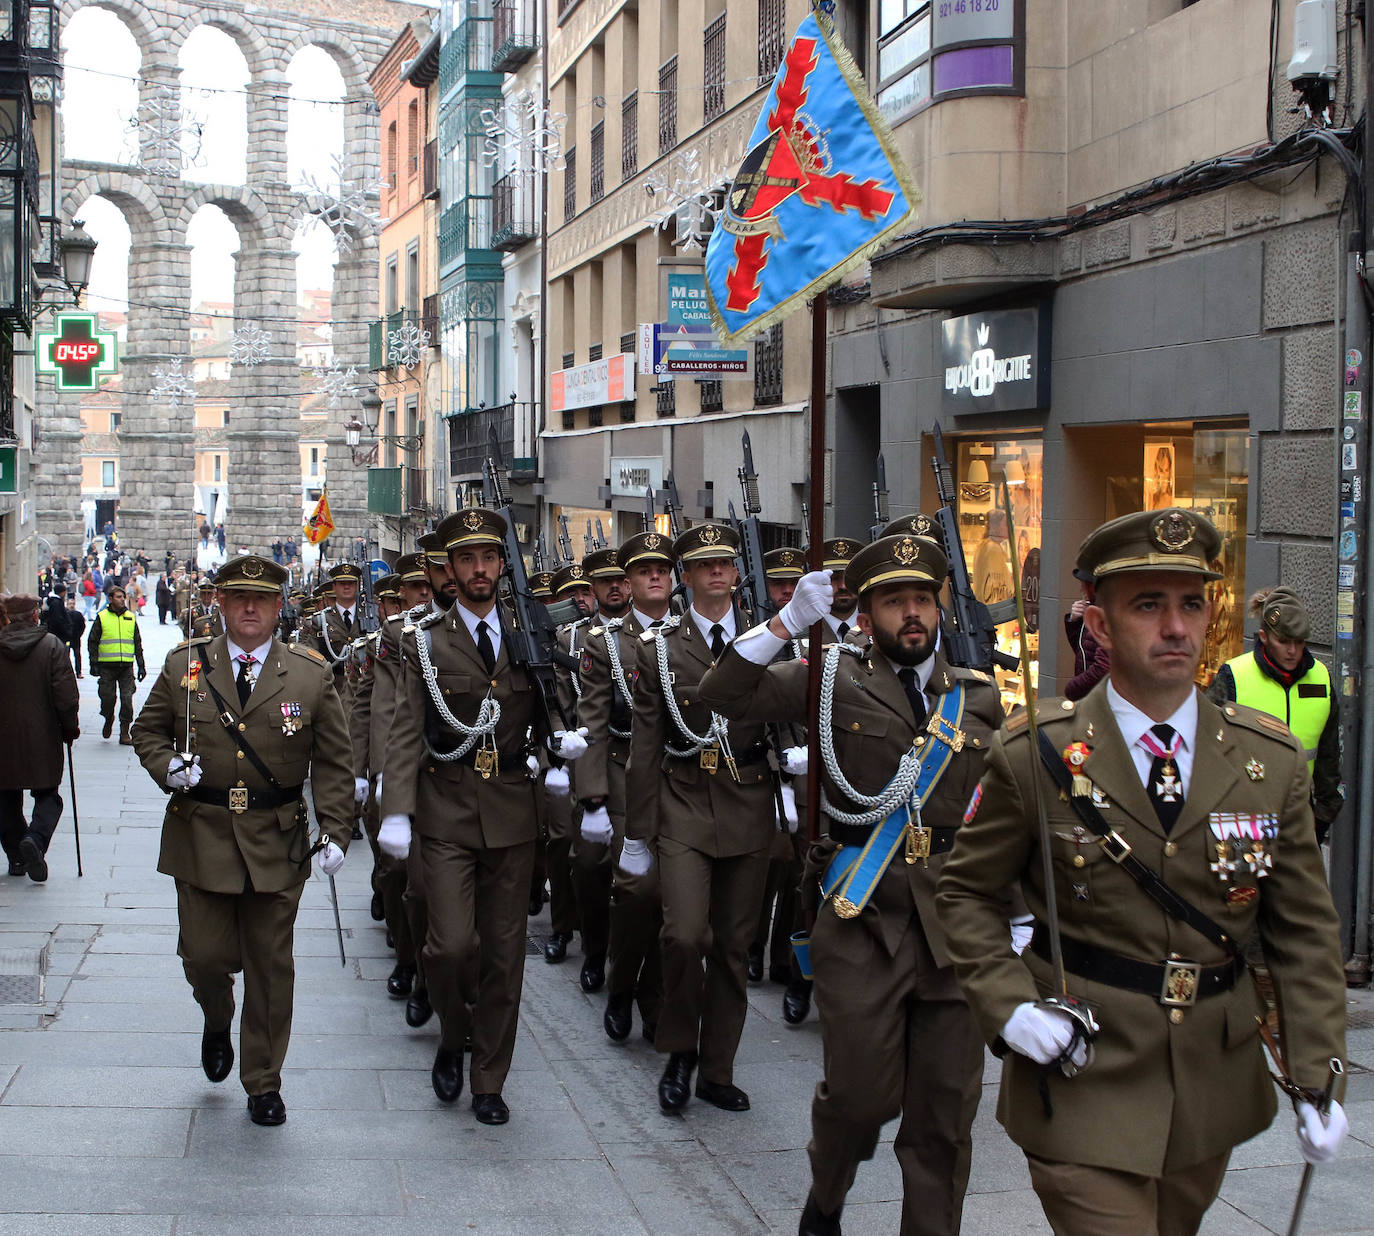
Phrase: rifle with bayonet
pixel 880 519
pixel 755 578
pixel 601 541
pixel 565 549
pixel 968 631
pixel 650 516
pixel 588 541
pixel 541 554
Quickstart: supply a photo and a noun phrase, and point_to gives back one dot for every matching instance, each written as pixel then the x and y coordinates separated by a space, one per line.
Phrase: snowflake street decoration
pixel 345 207
pixel 681 185
pixel 166 139
pixel 173 387
pixel 523 135
pixel 250 345
pixel 336 384
pixel 405 344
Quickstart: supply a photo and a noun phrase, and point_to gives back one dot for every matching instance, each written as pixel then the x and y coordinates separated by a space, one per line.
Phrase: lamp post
pixel 78 253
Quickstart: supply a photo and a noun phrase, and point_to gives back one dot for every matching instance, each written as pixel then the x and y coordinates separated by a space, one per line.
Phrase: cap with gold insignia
pixel 646 547
pixel 603 564
pixel 410 569
pixel 309 606
pixel 784 564
pixel 919 524
pixel 1168 540
pixel 541 585
pixel 325 591
pixel 896 560
pixel 432 545
pixel 1283 614
pixel 702 542
pixel 567 577
pixel 472 527
pixel 296 596
pixel 388 586
pixel 345 571
pixel 250 573
pixel 838 553
pixel 207 585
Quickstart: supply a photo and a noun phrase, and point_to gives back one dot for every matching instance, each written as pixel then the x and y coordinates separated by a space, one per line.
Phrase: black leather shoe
pixel 815 1222
pixel 650 1032
pixel 557 947
pixel 593 976
pixel 266 1108
pixel 754 964
pixel 447 1075
pixel 399 982
pixel 34 862
pixel 418 1008
pixel 18 866
pixel 796 1002
pixel 357 833
pixel 728 1098
pixel 675 1086
pixel 618 1017
pixel 779 974
pixel 216 1054
pixel 377 909
pixel 536 902
pixel 490 1108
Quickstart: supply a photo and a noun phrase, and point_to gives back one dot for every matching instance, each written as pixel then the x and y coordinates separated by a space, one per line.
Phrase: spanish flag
pixel 320 523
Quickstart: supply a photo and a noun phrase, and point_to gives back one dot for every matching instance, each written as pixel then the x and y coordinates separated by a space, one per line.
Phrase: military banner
pixel 320 522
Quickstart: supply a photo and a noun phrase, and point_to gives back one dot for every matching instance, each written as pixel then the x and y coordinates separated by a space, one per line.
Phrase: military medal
pixel 291 717
pixel 1242 895
pixel 1075 756
pixel 1244 841
pixel 1168 787
pixel 190 680
pixel 1254 770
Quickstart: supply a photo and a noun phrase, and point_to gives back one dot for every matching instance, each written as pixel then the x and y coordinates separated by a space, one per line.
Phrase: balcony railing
pixel 379 350
pixel 415 488
pixel 629 136
pixel 713 73
pixel 667 106
pixel 772 37
pixel 514 211
pixel 513 35
pixel 665 399
pixel 598 168
pixel 569 185
pixel 431 170
pixel 768 366
pixel 712 396
pixel 467 439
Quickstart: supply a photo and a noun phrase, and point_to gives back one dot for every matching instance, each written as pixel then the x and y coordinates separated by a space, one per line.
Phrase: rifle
pixel 650 520
pixel 588 541
pixel 754 580
pixel 541 553
pixel 565 549
pixel 673 507
pixel 968 632
pixel 880 519
pixel 532 632
pixel 601 541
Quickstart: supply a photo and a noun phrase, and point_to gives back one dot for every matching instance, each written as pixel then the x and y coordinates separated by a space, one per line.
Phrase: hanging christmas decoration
pixel 166 139
pixel 336 384
pixel 405 344
pixel 680 192
pixel 172 385
pixel 250 345
pixel 523 135
pixel 346 206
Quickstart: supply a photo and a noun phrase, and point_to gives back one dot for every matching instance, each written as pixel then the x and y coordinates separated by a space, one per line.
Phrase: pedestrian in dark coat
pixel 76 628
pixel 33 668
pixel 164 599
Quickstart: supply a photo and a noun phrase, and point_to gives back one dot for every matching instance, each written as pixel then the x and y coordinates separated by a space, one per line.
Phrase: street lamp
pixel 78 252
pixel 354 429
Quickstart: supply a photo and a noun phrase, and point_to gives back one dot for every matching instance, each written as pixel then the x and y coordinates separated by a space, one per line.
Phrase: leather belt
pixel 493 761
pixel 1173 982
pixel 941 839
pixel 240 798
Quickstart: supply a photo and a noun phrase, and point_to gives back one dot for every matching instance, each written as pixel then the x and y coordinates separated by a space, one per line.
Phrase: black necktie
pixel 1165 786
pixel 244 681
pixel 915 696
pixel 484 647
pixel 844 630
pixel 348 621
pixel 717 640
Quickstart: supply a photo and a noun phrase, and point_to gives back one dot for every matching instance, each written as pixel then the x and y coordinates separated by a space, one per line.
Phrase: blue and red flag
pixel 819 190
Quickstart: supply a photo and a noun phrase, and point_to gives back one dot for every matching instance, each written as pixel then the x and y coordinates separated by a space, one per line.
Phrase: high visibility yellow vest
pixel 116 636
pixel 1303 708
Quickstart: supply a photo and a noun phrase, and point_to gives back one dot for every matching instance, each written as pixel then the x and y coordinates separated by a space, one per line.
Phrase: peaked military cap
pixel 603 564
pixel 838 552
pixel 706 541
pixel 207 585
pixel 919 524
pixel 472 527
pixel 1168 540
pixel 541 584
pixel 345 571
pixel 1283 613
pixel 646 547
pixel 410 569
pixel 896 560
pixel 784 564
pixel 571 576
pixel 388 586
pixel 432 545
pixel 251 573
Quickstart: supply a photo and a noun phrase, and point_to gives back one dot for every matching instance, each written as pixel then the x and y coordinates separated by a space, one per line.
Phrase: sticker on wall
pixel 1349 433
pixel 1349 457
pixel 1353 357
pixel 1352 375
pixel 1345 603
pixel 1348 545
pixel 1345 624
pixel 1347 510
pixel 1352 405
pixel 1345 577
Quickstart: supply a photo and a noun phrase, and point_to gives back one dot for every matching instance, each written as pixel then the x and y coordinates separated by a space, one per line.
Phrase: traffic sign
pixel 77 352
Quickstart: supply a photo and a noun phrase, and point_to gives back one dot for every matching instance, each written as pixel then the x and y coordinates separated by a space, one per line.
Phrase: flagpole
pixel 815 535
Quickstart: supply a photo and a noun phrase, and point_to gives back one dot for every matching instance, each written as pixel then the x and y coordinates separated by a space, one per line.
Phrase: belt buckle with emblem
pixel 486 761
pixel 917 844
pixel 946 732
pixel 710 759
pixel 1179 989
pixel 238 799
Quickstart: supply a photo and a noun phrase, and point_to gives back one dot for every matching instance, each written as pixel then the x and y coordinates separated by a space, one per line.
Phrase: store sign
pixel 972 21
pixel 609 380
pixel 685 293
pixel 77 351
pixel 997 361
pixel 631 475
pixel 670 353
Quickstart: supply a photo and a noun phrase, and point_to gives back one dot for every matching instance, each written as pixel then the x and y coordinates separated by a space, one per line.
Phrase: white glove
pixel 569 744
pixel 532 763
pixel 811 601
pixel 1021 936
pixel 635 859
pixel 181 775
pixel 360 788
pixel 379 787
pixel 394 836
pixel 330 859
pixel 1320 1138
pixel 796 760
pixel 1042 1034
pixel 789 808
pixel 557 782
pixel 596 826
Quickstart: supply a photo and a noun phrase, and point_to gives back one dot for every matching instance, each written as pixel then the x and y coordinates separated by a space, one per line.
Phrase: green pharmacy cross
pixel 78 352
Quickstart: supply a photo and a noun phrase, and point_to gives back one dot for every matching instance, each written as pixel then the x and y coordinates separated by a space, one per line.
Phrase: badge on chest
pixel 1243 843
pixel 291 717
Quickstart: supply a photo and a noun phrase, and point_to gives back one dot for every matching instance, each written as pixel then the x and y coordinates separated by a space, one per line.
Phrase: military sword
pixel 338 926
pixel 1335 1070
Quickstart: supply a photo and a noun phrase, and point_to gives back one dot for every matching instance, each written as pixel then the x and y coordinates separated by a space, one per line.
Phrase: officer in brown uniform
pixel 341 621
pixel 262 718
pixel 199 615
pixel 906 728
pixel 1214 801
pixel 635 917
pixel 456 781
pixel 700 792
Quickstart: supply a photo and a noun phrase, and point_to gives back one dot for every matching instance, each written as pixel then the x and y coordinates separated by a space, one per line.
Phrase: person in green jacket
pixel 115 647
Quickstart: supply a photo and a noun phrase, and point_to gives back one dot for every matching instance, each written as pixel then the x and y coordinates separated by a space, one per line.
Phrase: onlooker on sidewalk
pixel 1280 676
pixel 89 592
pixel 76 628
pixel 164 599
pixel 33 668
pixel 114 646
pixel 1091 661
pixel 54 615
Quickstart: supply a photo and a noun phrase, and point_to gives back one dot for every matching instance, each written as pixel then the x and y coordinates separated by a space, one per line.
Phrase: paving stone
pixel 133 1130
pixel 679 1192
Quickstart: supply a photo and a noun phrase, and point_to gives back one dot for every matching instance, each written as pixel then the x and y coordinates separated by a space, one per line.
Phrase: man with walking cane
pixel 1152 832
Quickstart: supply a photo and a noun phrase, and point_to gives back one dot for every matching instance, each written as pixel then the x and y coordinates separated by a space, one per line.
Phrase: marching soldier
pixel 699 793
pixel 903 751
pixel 541 586
pixel 457 780
pixel 837 555
pixel 1183 828
pixel 635 915
pixel 198 615
pixel 258 719
pixel 181 595
pixel 341 622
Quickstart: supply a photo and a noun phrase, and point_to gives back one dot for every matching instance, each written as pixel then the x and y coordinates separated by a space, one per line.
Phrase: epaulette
pixel 1018 719
pixel 595 630
pixel 961 671
pixel 844 646
pixel 197 639
pixel 430 620
pixel 1262 722
pixel 397 617
pixel 302 651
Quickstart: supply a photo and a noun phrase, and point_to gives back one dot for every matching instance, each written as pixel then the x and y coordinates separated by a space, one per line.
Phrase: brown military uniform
pixel 239 874
pixel 209 625
pixel 561 814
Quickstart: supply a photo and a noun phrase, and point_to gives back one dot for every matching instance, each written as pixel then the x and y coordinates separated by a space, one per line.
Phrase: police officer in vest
pixel 1283 678
pixel 114 647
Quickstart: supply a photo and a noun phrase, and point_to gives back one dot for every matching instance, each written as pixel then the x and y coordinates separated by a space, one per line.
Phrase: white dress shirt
pixel 471 620
pixel 704 625
pixel 1133 723
pixel 346 613
pixel 848 621
pixel 645 622
pixel 259 655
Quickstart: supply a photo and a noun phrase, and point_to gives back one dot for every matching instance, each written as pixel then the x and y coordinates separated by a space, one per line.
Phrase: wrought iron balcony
pixel 468 435
pixel 513 35
pixel 515 213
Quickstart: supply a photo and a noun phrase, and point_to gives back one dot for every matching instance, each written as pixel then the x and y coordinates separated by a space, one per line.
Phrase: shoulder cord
pixel 324 635
pixel 899 790
pixel 617 668
pixel 698 742
pixel 487 716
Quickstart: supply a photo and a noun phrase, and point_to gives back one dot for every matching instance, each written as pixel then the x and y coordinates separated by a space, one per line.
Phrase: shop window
pixel 903 57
